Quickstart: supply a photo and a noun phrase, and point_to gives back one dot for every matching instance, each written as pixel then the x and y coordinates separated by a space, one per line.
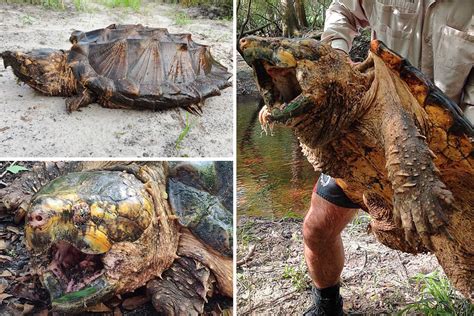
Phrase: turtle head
pixel 303 83
pixel 90 236
pixel 45 70
pixel 275 62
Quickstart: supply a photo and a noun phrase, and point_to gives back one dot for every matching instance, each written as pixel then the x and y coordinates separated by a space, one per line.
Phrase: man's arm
pixel 343 18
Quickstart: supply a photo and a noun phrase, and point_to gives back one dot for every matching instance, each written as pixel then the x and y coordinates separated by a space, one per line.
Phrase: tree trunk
pixel 290 22
pixel 301 13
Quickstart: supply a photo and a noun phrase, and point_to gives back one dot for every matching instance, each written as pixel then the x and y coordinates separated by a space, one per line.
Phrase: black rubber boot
pixel 327 302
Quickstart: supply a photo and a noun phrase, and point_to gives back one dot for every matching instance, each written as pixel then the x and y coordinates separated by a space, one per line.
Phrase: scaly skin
pixel 403 152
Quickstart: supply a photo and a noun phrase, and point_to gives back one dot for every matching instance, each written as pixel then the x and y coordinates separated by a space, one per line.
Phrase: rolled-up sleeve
pixel 343 19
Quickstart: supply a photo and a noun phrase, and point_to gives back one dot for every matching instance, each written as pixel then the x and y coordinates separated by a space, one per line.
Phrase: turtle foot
pixel 183 288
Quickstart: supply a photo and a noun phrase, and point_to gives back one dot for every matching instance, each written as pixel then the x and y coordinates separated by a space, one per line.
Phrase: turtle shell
pixel 200 200
pixel 443 112
pixel 91 210
pixel 141 67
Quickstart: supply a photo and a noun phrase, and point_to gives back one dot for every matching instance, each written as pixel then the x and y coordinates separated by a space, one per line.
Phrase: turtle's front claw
pixel 424 213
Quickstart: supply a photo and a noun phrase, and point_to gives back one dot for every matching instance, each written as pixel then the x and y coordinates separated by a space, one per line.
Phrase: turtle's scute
pixel 136 66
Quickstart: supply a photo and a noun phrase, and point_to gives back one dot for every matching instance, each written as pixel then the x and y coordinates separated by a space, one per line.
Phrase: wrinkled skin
pixel 124 66
pixel 100 229
pixel 394 142
pixel 197 198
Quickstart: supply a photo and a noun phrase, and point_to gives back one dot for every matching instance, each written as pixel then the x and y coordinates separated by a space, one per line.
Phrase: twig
pixel 247 257
pixel 256 30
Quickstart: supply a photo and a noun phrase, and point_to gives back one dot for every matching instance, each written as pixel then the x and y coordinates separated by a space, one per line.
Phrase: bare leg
pixel 323 249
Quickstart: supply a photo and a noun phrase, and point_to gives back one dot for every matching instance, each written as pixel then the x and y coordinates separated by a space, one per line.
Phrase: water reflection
pixel 273 176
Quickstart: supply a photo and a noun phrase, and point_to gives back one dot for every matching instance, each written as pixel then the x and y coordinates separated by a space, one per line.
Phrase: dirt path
pixel 375 279
pixel 33 125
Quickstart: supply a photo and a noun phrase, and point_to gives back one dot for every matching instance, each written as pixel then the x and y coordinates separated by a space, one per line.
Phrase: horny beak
pixel 99 290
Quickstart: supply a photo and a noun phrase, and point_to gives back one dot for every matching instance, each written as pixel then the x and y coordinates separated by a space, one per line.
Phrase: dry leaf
pixel 3 285
pixel 6 274
pixel 3 244
pixel 133 302
pixel 99 308
pixel 4 258
pixel 27 308
pixel 13 229
pixel 4 296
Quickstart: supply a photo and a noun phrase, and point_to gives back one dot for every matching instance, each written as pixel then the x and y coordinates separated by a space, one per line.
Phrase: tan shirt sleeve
pixel 343 18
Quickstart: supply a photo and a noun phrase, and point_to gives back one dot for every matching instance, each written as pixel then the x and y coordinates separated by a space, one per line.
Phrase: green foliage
pixel 80 5
pixel 16 169
pixel 297 276
pixel 27 20
pixel 134 4
pixel 181 19
pixel 290 214
pixel 184 132
pixel 437 297
pixel 54 4
pixel 244 233
pixel 271 13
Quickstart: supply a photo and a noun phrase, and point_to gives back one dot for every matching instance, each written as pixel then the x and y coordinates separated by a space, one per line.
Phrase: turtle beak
pixel 98 290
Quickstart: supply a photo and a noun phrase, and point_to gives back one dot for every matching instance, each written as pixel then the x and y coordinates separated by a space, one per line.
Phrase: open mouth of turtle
pixel 282 93
pixel 73 268
pixel 280 82
pixel 74 279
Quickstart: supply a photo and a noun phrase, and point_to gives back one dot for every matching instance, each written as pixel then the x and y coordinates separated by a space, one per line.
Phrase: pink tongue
pixel 66 255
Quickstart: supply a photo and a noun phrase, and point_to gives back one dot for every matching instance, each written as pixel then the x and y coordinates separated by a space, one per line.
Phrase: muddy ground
pixel 21 292
pixel 34 125
pixel 375 279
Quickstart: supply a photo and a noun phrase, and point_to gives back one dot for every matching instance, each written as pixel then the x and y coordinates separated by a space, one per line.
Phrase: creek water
pixel 273 177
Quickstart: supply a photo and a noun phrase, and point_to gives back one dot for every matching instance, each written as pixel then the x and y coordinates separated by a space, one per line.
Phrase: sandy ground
pixel 33 125
pixel 375 280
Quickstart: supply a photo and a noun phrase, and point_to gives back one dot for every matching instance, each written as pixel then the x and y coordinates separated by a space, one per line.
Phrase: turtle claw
pixel 79 101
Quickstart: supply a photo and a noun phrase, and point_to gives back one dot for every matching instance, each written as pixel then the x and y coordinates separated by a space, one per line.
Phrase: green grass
pixel 297 276
pixel 28 20
pixel 244 234
pixel 80 5
pixel 134 4
pixel 290 214
pixel 437 297
pixel 184 132
pixel 181 19
pixel 54 4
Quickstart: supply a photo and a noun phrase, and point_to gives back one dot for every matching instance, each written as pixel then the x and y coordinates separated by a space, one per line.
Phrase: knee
pixel 322 223
pixel 316 228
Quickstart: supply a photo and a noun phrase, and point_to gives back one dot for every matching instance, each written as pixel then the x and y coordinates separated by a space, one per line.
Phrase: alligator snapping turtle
pixel 394 142
pixel 124 66
pixel 98 229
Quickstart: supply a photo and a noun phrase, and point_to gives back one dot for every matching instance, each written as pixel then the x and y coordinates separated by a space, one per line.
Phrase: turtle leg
pixel 421 201
pixel 183 288
pixel 83 99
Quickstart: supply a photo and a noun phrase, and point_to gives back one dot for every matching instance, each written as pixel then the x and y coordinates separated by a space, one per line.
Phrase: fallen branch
pixel 256 30
pixel 247 257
